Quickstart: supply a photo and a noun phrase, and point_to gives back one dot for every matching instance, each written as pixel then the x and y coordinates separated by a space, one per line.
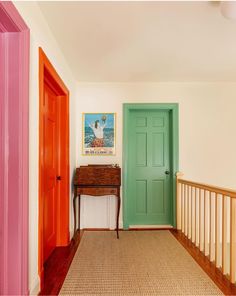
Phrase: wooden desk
pixel 97 180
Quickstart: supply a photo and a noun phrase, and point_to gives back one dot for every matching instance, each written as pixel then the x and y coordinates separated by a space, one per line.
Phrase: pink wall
pixel 14 82
pixel 1 160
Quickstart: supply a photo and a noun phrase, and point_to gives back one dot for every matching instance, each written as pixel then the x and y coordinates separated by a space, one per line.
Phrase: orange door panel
pixel 53 161
pixel 50 166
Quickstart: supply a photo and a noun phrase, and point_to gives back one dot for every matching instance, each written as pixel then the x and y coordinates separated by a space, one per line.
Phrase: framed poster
pixel 99 133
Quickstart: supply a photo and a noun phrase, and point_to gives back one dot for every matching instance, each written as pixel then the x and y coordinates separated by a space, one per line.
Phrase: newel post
pixel 179 175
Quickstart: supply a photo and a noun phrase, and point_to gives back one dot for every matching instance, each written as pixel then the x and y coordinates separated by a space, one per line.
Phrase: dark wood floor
pixel 214 273
pixel 58 264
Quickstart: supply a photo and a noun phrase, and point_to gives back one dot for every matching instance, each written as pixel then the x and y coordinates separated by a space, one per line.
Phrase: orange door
pixel 50 171
pixel 53 161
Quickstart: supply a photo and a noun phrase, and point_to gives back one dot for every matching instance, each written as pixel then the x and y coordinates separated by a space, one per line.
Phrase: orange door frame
pixel 47 74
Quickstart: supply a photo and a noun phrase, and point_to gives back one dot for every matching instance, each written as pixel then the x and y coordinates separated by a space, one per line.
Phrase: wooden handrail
pixel 207 218
pixel 210 188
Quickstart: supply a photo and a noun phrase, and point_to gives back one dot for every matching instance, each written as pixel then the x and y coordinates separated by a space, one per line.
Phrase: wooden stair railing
pixel 206 215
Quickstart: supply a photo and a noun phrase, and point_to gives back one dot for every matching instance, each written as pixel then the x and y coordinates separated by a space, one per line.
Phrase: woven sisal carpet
pixel 139 263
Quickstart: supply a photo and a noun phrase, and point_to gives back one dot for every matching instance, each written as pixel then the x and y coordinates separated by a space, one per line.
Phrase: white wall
pixel 207 128
pixel 41 37
pixel 207 141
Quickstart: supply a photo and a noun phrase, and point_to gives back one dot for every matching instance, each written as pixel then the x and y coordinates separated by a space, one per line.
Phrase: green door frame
pixel 173 108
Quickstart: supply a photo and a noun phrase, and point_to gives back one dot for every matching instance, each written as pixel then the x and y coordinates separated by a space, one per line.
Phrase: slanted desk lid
pixel 93 175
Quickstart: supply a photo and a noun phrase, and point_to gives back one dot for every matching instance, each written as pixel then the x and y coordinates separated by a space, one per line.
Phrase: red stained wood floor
pixel 213 272
pixel 57 266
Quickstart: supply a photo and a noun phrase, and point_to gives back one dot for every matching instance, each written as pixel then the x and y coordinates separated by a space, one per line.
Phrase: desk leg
pixel 74 207
pixel 79 213
pixel 118 212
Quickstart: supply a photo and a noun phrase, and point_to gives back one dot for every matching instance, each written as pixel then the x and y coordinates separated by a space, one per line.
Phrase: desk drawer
pixel 97 191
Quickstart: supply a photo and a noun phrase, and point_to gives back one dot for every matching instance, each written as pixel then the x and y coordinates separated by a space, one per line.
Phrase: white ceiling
pixel 144 41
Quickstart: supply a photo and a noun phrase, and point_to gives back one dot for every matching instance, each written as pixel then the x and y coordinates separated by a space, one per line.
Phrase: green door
pixel 149 168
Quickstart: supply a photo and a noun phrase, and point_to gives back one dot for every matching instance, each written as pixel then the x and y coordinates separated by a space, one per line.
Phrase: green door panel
pixel 149 194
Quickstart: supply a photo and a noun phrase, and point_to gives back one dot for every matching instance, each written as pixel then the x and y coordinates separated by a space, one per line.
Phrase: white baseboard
pixel 35 288
pixel 150 226
pixel 71 234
